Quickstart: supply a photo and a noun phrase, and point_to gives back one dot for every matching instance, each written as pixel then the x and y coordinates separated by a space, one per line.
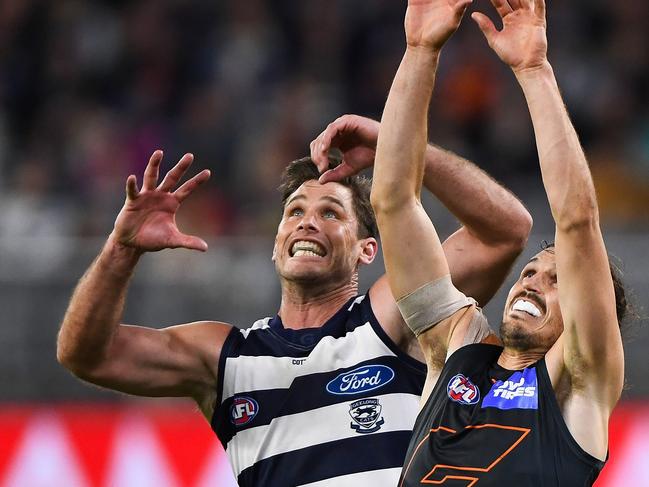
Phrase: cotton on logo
pixel 243 410
pixel 461 389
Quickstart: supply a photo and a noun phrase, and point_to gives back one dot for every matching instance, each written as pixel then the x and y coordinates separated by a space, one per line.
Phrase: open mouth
pixel 527 307
pixel 307 248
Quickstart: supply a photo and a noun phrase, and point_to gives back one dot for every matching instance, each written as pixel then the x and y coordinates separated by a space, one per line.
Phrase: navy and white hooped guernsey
pixel 327 406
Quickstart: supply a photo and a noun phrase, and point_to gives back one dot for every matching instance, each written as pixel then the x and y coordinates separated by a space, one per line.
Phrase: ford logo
pixel 361 379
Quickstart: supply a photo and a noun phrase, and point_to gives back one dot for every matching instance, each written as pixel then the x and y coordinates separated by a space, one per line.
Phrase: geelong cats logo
pixel 366 414
pixel 461 389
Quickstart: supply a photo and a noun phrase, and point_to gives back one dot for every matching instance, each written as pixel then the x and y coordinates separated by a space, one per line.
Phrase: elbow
pixel 81 365
pixel 577 223
pixel 66 358
pixel 517 233
pixel 521 231
pixel 386 203
pixel 577 215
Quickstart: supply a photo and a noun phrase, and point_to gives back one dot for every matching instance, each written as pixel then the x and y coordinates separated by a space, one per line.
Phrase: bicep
pixel 412 251
pixel 176 361
pixel 478 269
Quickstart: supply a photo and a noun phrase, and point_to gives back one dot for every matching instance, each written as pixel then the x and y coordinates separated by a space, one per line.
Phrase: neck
pixel 516 359
pixel 310 308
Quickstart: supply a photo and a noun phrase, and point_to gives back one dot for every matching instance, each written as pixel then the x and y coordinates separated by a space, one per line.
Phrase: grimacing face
pixel 317 239
pixel 532 318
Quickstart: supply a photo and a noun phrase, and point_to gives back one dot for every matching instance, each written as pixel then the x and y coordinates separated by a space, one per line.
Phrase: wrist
pixel 118 255
pixel 533 72
pixel 425 51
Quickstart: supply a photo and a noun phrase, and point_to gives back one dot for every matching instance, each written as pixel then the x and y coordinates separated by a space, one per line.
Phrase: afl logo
pixel 461 389
pixel 361 379
pixel 243 410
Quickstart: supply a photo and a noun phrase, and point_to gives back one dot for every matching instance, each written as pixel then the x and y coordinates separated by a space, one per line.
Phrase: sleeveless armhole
pixel 555 411
pixel 227 350
pixel 383 336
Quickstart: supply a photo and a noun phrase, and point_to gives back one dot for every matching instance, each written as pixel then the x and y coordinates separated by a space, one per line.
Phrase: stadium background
pixel 89 88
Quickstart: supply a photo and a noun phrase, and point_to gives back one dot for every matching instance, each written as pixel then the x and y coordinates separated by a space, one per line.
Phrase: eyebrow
pixel 331 199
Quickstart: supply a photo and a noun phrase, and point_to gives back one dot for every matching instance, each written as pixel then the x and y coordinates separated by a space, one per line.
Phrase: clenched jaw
pixel 307 248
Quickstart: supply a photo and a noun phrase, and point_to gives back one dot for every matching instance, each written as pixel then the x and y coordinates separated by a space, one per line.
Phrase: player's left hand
pixel 356 138
pixel 522 43
pixel 430 23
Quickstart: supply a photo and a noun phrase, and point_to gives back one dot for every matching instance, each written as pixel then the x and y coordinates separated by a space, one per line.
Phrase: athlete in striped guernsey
pixel 534 412
pixel 326 392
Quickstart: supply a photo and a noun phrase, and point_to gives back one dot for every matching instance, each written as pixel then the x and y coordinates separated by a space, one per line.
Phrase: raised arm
pixel 414 257
pixel 495 224
pixel 175 361
pixel 412 251
pixel 591 346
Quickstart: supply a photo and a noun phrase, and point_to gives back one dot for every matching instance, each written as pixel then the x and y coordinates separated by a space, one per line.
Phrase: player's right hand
pixel 430 23
pixel 147 222
pixel 355 137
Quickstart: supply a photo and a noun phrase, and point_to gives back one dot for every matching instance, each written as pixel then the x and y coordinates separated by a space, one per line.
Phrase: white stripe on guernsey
pixel 314 427
pixel 388 477
pixel 247 373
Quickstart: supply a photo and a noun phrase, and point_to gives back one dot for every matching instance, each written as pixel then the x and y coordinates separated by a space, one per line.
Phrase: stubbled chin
pixel 513 331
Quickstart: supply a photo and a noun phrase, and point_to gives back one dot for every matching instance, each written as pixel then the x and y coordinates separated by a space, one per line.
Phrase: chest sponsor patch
pixel 243 410
pixel 520 391
pixel 461 389
pixel 361 379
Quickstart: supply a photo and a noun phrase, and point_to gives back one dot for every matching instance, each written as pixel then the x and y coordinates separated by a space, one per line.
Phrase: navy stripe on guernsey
pixel 296 431
pixel 337 454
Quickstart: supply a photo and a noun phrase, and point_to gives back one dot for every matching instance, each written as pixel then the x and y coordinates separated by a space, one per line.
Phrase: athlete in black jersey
pixel 534 412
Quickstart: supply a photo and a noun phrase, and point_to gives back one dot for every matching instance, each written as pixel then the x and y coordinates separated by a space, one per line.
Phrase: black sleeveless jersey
pixel 486 426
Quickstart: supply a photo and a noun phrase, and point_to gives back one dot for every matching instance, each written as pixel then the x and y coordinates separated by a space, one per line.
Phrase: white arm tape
pixel 431 303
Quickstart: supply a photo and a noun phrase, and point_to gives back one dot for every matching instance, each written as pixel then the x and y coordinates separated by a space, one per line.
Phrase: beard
pixel 514 336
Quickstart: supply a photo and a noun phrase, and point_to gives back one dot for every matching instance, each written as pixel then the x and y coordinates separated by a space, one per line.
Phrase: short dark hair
pixel 302 170
pixel 622 305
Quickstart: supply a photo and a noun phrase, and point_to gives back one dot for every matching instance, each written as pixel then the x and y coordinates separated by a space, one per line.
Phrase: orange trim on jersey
pixel 414 454
pixel 472 480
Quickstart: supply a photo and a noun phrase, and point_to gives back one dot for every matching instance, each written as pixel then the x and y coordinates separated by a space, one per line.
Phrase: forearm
pixel 486 209
pixel 96 307
pixel 564 168
pixel 405 227
pixel 401 144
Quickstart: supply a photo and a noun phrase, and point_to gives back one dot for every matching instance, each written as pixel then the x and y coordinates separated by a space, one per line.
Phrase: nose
pixel 308 223
pixel 531 284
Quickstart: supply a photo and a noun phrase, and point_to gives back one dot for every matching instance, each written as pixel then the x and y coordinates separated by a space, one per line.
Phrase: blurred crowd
pixel 89 88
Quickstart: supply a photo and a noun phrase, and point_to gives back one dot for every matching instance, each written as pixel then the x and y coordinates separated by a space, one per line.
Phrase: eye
pixel 527 273
pixel 296 211
pixel 329 214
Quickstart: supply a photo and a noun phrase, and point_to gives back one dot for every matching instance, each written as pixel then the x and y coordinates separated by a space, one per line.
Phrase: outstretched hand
pixel 522 42
pixel 355 137
pixel 147 222
pixel 430 23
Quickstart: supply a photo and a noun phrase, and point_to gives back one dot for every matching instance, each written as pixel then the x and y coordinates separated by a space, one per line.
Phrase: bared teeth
pixel 304 247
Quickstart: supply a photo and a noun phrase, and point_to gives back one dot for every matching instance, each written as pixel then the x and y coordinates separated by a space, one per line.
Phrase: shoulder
pixel 385 309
